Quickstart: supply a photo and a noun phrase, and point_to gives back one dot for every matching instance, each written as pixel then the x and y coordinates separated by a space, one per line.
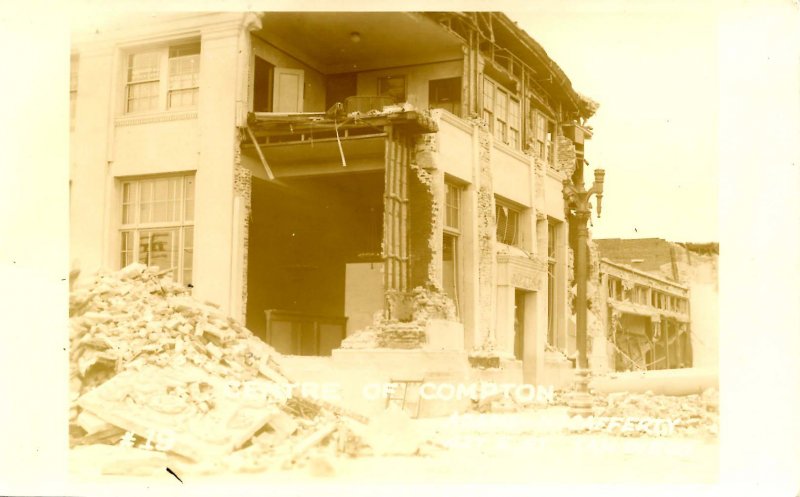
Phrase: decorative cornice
pixel 154 118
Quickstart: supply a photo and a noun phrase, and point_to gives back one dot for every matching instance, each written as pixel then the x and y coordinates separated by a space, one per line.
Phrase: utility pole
pixel 576 201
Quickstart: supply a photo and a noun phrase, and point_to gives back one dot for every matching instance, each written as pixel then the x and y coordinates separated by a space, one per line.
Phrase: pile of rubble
pixel 150 364
pixel 696 415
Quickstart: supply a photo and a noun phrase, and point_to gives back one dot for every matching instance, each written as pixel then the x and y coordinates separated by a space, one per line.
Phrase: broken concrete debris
pixel 151 365
pixel 686 415
pixel 425 304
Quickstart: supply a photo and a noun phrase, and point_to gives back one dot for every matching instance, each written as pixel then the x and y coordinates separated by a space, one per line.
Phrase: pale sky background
pixel 653 67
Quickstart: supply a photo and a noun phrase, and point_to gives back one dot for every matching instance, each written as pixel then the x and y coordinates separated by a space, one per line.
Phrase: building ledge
pixel 154 117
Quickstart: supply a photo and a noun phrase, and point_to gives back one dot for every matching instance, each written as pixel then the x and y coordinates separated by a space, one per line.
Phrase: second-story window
pixel 501 112
pixel 163 78
pixel 184 76
pixel 543 136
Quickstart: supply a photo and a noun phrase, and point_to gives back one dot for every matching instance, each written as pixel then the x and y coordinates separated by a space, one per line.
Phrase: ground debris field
pixel 151 375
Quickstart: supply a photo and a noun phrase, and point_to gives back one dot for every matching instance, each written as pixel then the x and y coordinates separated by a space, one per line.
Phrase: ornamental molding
pixel 155 118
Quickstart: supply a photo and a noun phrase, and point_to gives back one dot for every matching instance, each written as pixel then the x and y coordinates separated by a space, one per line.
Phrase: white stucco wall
pixel 108 145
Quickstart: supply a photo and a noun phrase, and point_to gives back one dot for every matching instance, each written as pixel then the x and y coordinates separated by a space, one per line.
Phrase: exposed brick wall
pixel 565 155
pixel 655 252
pixel 243 186
pixel 486 242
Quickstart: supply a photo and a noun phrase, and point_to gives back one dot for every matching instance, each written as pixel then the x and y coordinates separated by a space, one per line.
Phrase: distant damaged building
pixel 659 304
pixel 362 185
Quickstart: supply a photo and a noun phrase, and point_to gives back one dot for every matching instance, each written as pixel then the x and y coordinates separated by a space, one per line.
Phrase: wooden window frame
pixel 453 200
pixel 135 226
pixel 501 125
pixel 163 101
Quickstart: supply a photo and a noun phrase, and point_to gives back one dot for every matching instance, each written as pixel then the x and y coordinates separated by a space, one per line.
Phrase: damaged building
pixel 646 318
pixel 691 269
pixel 357 186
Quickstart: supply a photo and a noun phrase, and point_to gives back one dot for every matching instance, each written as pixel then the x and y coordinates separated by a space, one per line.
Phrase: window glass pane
pixel 188 254
pixel 488 117
pixel 452 201
pixel 513 113
pixel 449 265
pixel 500 105
pixel 189 198
pixel 126 248
pixel 488 95
pixel 142 96
pixel 184 74
pixel 159 248
pixel 127 207
pixel 160 204
pixel 143 67
pixel 145 201
pixel 184 50
pixel 183 98
pixel 540 127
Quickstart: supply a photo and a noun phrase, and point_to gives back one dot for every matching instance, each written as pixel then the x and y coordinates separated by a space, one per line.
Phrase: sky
pixel 653 67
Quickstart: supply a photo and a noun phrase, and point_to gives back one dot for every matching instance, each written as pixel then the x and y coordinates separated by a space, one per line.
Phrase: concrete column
pixel 504 321
pixel 470 253
pixel 438 191
pixel 215 218
pixel 487 266
pixel 89 196
pixel 534 358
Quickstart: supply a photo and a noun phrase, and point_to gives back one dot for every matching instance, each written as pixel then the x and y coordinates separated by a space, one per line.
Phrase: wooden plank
pixel 260 153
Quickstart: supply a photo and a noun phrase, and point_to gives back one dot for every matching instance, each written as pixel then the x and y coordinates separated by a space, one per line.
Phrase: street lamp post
pixel 576 201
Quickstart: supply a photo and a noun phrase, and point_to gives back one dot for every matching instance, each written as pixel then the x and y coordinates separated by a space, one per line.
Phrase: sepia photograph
pixel 395 246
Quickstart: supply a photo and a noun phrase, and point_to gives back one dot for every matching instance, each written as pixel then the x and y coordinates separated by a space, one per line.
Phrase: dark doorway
pixel 338 87
pixel 262 86
pixel 519 323
pixel 303 234
pixel 445 94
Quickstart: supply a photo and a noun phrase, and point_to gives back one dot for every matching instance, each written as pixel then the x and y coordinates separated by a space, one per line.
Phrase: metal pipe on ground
pixel 684 381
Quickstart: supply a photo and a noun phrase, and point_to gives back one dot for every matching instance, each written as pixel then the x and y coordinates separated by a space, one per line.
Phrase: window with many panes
pixel 543 136
pixel 73 89
pixel 501 112
pixel 163 78
pixel 157 225
pixel 450 245
pixel 507 219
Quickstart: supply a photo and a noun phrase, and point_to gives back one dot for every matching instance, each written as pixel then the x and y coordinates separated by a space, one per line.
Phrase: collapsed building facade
pixel 690 269
pixel 646 318
pixel 339 181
